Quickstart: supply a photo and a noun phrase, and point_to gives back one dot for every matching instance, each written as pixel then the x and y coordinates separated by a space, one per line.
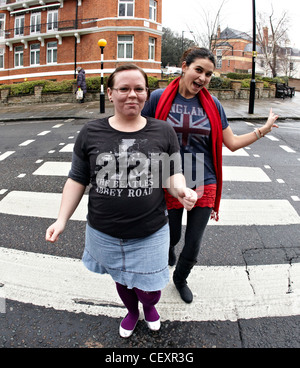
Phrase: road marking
pixel 26 143
pixel 240 173
pixel 2 191
pixel 233 212
pixel 21 175
pixel 230 173
pixel 295 198
pixel 6 154
pixel 280 181
pixel 58 125
pixel 44 132
pixel 287 149
pixel 239 152
pixel 53 168
pixel 38 204
pixel 220 293
pixel 67 148
pixel 272 138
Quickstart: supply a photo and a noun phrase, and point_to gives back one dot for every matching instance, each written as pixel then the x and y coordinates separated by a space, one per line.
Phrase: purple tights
pixel 131 298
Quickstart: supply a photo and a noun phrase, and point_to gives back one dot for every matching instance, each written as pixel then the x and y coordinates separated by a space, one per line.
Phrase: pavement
pixel 288 108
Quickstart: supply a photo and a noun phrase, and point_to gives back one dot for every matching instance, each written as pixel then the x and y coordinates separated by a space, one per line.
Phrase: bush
pixel 219 83
pixel 62 86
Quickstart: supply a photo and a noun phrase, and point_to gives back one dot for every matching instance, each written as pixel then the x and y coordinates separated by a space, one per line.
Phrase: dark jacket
pixel 81 80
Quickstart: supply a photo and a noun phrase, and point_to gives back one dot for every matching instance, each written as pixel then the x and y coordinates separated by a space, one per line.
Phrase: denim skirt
pixel 141 263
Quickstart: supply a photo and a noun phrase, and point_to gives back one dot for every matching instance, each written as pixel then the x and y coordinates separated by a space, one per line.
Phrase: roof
pixel 230 33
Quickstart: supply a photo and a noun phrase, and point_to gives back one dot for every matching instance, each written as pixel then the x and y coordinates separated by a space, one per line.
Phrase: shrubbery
pixel 94 84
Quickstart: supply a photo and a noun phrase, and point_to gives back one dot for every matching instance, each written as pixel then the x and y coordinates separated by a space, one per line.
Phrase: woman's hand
pixel 187 197
pixel 54 230
pixel 270 124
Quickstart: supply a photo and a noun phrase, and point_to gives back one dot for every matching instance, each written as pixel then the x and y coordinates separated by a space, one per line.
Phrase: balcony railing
pixel 52 27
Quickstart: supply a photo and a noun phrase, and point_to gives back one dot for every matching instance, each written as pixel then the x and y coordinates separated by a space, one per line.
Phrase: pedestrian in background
pixel 202 127
pixel 127 232
pixel 81 83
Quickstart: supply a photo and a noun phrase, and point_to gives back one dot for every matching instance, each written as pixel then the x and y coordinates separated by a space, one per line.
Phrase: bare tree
pixel 272 36
pixel 207 38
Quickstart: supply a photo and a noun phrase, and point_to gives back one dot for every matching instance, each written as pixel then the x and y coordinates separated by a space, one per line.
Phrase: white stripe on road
pixel 53 168
pixel 45 132
pixel 36 204
pixel 272 138
pixel 6 154
pixel 247 212
pixel 239 152
pixel 287 149
pixel 220 293
pixel 232 211
pixel 26 143
pixel 249 174
pixel 67 148
pixel 230 173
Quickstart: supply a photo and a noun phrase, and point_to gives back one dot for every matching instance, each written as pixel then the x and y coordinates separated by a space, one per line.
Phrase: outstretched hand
pixel 270 123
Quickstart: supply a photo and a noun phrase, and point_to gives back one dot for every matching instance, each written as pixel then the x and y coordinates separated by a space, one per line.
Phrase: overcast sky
pixel 236 14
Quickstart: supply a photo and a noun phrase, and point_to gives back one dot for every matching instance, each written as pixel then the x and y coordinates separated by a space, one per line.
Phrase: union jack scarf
pixel 162 111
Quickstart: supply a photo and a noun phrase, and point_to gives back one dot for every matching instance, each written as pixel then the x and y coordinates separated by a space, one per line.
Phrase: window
pixel 18 56
pixel 1 58
pixel 151 49
pixel 126 8
pixel 152 10
pixel 125 47
pixel 19 25
pixel 219 59
pixel 51 52
pixel 35 54
pixel 52 20
pixel 35 23
pixel 2 25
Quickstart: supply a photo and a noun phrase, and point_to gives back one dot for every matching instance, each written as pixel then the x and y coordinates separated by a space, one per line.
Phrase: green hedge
pixel 94 84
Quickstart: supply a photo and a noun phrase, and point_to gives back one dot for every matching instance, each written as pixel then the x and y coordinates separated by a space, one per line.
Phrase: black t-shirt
pixel 126 171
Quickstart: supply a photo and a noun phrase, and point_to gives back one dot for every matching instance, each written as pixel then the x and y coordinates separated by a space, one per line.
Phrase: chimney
pixel 266 36
pixel 219 33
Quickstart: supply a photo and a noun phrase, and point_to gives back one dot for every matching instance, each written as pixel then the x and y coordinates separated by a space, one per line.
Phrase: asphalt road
pixel 268 239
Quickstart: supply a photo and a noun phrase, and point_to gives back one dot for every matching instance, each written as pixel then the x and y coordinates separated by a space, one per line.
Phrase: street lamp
pixel 102 43
pixel 182 38
pixel 254 54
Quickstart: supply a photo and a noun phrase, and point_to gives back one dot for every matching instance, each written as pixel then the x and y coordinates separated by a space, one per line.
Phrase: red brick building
pixel 233 51
pixel 48 39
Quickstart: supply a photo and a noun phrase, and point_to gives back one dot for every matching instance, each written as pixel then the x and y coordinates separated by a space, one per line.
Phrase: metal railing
pixel 36 29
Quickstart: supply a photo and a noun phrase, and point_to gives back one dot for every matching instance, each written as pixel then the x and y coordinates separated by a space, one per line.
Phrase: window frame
pixel 53 51
pixel 19 28
pixel 151 48
pixel 52 25
pixel 19 55
pixel 127 44
pixel 127 5
pixel 153 10
pixel 36 53
pixel 35 22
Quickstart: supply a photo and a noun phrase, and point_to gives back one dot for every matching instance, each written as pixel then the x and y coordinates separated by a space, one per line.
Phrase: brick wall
pixel 88 52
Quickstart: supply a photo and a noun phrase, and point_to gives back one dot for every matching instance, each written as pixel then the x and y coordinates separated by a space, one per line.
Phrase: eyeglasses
pixel 126 90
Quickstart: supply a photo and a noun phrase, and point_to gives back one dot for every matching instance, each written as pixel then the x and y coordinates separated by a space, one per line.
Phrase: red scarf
pixel 162 111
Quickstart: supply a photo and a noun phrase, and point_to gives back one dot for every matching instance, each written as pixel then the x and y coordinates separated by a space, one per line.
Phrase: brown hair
pixel 193 53
pixel 122 68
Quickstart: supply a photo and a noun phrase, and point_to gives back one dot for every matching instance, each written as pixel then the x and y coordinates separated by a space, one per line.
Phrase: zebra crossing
pixel 227 292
